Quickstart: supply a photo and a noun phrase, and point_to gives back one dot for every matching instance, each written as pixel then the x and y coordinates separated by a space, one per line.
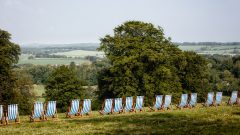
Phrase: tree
pixel 143 62
pixel 63 85
pixel 23 93
pixel 9 55
pixel 39 73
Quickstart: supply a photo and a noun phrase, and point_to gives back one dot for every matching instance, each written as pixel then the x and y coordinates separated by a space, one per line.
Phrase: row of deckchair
pixel 117 105
pixel 42 111
pixel 79 107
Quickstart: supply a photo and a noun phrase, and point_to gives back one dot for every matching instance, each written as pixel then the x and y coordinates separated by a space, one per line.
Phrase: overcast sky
pixel 75 21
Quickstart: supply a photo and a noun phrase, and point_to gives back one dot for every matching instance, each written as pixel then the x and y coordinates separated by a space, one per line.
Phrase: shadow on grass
pixel 160 123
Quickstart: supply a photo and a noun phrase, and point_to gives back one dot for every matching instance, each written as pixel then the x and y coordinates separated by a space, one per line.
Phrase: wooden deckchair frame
pixel 69 109
pixel 81 108
pixel 103 106
pixel 31 116
pixel 55 116
pixel 206 99
pixel 17 120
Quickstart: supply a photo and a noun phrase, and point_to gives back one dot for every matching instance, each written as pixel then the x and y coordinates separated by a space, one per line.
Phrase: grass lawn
pixel 211 120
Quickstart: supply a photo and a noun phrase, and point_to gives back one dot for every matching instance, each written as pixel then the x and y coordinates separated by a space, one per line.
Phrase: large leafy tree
pixel 9 55
pixel 63 85
pixel 145 62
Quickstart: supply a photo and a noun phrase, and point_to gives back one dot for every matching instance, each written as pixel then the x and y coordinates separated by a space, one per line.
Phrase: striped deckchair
pixel 2 119
pixel 12 114
pixel 86 107
pixel 51 110
pixel 183 102
pixel 234 98
pixel 193 100
pixel 209 101
pixel 37 112
pixel 73 109
pixel 157 103
pixel 128 104
pixel 139 103
pixel 218 99
pixel 167 102
pixel 107 106
pixel 118 105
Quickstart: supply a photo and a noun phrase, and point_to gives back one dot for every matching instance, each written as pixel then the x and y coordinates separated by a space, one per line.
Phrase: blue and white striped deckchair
pixel 158 102
pixel 38 111
pixel 1 115
pixel 73 109
pixel 218 100
pixel 139 103
pixel 12 114
pixel 193 100
pixel 86 107
pixel 117 105
pixel 167 102
pixel 210 97
pixel 129 104
pixel 234 98
pixel 51 110
pixel 183 102
pixel 108 106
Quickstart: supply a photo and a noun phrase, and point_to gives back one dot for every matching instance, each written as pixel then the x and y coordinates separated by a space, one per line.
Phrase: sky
pixel 82 21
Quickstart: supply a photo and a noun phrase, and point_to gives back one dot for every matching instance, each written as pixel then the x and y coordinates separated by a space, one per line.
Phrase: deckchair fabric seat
pixel 167 101
pixel 218 98
pixel 129 104
pixel 12 112
pixel 1 115
pixel 74 107
pixel 51 108
pixel 108 106
pixel 86 107
pixel 183 102
pixel 193 100
pixel 209 101
pixel 38 110
pixel 117 105
pixel 158 102
pixel 1 112
pixel 139 102
pixel 234 97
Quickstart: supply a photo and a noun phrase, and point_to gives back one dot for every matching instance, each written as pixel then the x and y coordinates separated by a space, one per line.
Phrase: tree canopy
pixel 145 62
pixel 63 85
pixel 9 54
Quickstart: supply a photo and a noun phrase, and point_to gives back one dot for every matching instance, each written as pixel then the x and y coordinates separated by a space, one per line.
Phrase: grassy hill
pixel 213 120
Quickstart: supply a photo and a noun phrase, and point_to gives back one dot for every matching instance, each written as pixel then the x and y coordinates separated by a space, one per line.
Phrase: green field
pixel 80 53
pixel 49 61
pixel 199 120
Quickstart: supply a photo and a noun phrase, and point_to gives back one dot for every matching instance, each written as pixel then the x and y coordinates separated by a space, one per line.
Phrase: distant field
pixel 45 61
pixel 199 120
pixel 213 49
pixel 81 53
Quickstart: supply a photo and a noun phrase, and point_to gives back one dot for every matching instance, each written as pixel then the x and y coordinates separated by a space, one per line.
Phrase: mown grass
pixel 199 120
